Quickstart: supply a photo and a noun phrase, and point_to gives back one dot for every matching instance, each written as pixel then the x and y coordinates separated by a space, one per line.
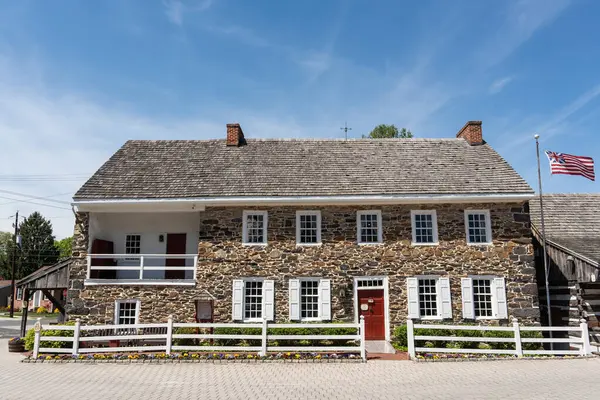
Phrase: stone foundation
pixel 222 258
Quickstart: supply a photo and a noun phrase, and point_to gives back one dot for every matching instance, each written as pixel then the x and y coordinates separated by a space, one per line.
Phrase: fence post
pixel 410 338
pixel 518 344
pixel 363 345
pixel 141 267
pixel 37 328
pixel 169 341
pixel 263 350
pixel 76 333
pixel 586 349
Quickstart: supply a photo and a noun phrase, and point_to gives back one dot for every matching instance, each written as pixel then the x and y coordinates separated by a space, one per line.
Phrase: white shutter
pixel 294 299
pixel 500 294
pixel 445 298
pixel 412 285
pixel 325 299
pixel 269 300
pixel 467 298
pixel 238 300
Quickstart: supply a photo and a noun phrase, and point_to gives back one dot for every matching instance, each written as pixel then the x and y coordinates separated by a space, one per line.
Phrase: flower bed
pixel 445 357
pixel 194 357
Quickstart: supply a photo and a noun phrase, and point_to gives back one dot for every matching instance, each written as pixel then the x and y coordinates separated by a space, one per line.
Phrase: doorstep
pixel 399 356
pixel 379 347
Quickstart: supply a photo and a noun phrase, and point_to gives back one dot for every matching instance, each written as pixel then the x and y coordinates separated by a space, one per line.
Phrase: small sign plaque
pixel 364 307
pixel 371 301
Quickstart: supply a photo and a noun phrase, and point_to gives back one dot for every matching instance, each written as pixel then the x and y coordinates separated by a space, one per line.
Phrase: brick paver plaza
pixel 540 379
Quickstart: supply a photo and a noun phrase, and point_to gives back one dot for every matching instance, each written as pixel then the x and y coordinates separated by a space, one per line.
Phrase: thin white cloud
pixel 176 9
pixel 554 124
pixel 523 19
pixel 499 84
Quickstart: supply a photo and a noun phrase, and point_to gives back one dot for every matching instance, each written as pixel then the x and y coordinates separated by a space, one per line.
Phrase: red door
pixel 175 245
pixel 370 305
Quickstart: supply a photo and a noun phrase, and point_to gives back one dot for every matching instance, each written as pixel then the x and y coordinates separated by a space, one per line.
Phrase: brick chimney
pixel 235 135
pixel 471 132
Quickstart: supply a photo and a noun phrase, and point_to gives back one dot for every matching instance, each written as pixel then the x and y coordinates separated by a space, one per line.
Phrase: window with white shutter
pixel 310 299
pixel 429 297
pixel 484 297
pixel 253 299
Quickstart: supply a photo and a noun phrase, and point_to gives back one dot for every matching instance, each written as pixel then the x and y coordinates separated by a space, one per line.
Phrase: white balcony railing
pixel 141 269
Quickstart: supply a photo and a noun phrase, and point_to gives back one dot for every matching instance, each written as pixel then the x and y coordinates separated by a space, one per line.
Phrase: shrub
pixel 30 338
pixel 41 310
pixel 184 342
pixel 400 342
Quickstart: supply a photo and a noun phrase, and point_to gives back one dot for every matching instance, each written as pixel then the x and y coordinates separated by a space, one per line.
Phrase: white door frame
pixel 386 299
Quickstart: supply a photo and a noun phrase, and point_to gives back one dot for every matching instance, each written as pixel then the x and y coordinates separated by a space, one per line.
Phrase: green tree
pixel 6 244
pixel 384 131
pixel 37 244
pixel 64 246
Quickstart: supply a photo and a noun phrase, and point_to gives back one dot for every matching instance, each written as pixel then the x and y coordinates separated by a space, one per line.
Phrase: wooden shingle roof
pixel 208 168
pixel 572 221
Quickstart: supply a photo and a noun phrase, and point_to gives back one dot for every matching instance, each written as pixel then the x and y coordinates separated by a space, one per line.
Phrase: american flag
pixel 561 163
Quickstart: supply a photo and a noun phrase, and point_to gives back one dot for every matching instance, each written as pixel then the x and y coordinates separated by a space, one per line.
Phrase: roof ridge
pixel 366 140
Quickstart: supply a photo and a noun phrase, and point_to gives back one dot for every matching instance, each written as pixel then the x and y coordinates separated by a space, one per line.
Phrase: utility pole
pixel 346 129
pixel 14 262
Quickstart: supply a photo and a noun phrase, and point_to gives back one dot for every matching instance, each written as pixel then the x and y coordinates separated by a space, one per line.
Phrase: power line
pixel 34 197
pixel 54 195
pixel 33 202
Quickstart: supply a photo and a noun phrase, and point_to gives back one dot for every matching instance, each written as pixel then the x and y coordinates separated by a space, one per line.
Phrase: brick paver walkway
pixel 540 379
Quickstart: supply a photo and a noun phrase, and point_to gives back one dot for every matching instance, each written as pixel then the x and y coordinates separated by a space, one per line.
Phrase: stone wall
pixel 222 258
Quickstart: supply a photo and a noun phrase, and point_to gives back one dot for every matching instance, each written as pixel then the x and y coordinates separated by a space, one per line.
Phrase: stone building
pixel 305 230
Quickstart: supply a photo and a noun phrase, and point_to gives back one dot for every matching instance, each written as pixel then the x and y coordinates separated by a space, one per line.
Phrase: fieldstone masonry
pixel 222 258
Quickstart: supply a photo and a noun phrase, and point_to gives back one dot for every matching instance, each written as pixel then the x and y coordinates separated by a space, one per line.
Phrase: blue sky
pixel 78 78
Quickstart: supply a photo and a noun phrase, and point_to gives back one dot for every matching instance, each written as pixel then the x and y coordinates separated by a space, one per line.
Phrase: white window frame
pixel 136 255
pixel 494 296
pixel 19 295
pixel 262 300
pixel 386 299
pixel 488 227
pixel 438 297
pixel 300 213
pixel 433 213
pixel 137 310
pixel 320 315
pixel 379 227
pixel 245 215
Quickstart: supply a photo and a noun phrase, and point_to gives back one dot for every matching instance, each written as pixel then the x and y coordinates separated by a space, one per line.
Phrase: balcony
pixel 141 269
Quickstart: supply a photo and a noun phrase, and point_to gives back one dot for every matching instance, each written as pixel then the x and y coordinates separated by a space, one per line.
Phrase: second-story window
pixel 308 227
pixel 133 245
pixel 478 226
pixel 424 227
pixel 368 227
pixel 254 227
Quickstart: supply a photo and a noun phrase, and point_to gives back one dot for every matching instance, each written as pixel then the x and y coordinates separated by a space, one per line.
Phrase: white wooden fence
pixel 160 337
pixel 582 342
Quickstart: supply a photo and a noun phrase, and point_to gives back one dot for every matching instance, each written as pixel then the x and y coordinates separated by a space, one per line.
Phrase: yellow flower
pixel 48 357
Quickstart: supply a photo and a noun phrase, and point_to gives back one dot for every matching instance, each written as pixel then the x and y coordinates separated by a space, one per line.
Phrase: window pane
pixel 253 300
pixel 428 297
pixel 482 297
pixel 126 313
pixel 255 228
pixel 477 228
pixel 308 228
pixel 423 228
pixel 309 299
pixel 369 228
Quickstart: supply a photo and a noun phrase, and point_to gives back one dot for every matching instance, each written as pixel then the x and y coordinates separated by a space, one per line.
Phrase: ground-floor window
pixel 127 312
pixel 310 299
pixel 253 299
pixel 484 297
pixel 429 297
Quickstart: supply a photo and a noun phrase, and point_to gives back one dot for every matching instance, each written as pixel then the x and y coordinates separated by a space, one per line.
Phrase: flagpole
pixel 546 272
